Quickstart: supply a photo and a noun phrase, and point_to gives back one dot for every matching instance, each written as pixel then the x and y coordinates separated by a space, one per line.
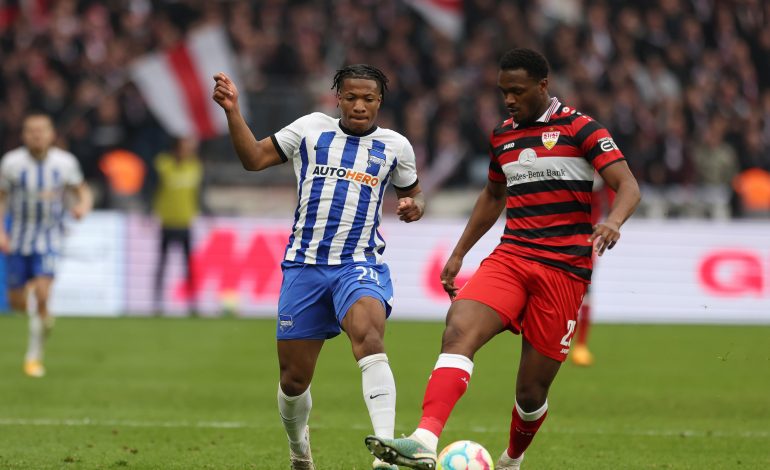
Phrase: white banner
pixel 90 274
pixel 675 272
pixel 660 272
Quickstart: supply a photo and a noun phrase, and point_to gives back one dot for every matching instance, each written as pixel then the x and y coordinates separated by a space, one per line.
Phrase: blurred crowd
pixel 683 85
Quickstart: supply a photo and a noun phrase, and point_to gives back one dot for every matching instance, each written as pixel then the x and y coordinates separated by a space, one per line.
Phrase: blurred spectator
pixel 124 173
pixel 753 188
pixel 656 74
pixel 177 203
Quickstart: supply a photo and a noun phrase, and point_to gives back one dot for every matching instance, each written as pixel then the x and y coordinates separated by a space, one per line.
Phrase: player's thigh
pixel 363 291
pixel 364 320
pixel 492 300
pixel 550 317
pixel 18 271
pixel 305 307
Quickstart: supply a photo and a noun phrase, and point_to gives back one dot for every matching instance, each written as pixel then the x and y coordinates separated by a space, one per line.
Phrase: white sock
pixel 379 388
pixel 427 438
pixel 36 338
pixel 295 412
pixel 532 415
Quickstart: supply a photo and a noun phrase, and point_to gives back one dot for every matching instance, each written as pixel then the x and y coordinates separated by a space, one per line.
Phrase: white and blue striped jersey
pixel 341 179
pixel 35 191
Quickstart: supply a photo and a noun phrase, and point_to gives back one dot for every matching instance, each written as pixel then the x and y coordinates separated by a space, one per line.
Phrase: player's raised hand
pixel 605 236
pixel 409 210
pixel 449 273
pixel 225 92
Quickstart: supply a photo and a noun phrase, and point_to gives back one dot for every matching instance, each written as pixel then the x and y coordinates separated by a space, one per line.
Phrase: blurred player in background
pixel 601 202
pixel 177 201
pixel 333 274
pixel 541 171
pixel 34 182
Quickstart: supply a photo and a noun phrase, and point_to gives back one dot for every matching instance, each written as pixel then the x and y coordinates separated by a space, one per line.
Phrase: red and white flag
pixel 177 83
pixel 444 15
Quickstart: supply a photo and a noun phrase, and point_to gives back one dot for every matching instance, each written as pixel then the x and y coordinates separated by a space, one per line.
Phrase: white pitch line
pixel 476 429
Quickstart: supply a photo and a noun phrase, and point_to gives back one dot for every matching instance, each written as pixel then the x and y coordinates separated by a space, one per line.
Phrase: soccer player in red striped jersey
pixel 541 172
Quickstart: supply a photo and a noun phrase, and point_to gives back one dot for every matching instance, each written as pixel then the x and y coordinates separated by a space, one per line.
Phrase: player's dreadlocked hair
pixel 532 61
pixel 361 71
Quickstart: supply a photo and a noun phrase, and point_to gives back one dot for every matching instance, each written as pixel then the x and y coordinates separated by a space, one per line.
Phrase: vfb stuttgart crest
pixel 550 138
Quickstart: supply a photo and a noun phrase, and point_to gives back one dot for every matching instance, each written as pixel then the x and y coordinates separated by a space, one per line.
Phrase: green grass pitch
pixel 200 394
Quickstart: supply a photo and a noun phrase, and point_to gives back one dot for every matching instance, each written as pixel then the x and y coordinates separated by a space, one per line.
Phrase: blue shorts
pixel 314 299
pixel 23 268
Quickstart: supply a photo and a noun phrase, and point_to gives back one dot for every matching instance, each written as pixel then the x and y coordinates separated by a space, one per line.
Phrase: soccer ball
pixel 464 455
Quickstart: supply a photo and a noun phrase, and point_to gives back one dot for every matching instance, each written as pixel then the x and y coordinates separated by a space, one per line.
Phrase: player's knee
pixel 456 340
pixel 293 385
pixel 531 397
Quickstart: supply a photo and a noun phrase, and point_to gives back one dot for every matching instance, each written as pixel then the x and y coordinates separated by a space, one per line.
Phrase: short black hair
pixel 532 61
pixel 369 72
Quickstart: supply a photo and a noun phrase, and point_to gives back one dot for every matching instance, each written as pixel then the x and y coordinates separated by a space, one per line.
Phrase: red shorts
pixel 535 300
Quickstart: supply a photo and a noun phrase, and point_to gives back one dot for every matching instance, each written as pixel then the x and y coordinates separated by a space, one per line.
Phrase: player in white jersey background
pixel 333 275
pixel 34 182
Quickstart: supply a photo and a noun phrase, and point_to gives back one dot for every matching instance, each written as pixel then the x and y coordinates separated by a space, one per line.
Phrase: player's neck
pixel 349 131
pixel 38 154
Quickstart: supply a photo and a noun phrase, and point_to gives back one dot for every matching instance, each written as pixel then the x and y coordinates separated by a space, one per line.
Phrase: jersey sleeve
pixel 288 139
pixel 495 170
pixel 405 173
pixel 73 176
pixel 596 143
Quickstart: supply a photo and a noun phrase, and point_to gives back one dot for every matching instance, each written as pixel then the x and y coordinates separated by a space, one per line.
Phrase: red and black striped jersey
pixel 548 168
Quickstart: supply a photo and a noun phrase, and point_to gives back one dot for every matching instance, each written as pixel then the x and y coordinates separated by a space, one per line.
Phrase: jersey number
pixel 370 272
pixel 570 331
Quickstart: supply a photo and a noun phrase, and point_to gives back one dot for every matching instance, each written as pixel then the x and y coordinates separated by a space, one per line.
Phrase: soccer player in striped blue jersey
pixel 333 275
pixel 34 182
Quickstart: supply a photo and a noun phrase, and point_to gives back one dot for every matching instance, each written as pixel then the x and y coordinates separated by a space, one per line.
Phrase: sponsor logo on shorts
pixel 285 322
pixel 564 351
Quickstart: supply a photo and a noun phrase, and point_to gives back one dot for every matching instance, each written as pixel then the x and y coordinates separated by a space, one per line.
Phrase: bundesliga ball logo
pixel 464 455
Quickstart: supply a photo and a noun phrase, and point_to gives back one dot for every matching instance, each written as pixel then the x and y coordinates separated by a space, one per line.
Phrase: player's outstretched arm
pixel 619 177
pixel 411 204
pixel 487 209
pixel 254 155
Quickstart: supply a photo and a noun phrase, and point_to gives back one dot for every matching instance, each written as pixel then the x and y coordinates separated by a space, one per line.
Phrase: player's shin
pixel 36 338
pixel 379 389
pixel 295 413
pixel 524 426
pixel 447 384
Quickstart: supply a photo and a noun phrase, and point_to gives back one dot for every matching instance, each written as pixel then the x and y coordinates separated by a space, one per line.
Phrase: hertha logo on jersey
pixel 550 139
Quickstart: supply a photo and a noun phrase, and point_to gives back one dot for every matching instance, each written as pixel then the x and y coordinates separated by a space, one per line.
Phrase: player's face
pixel 359 100
pixel 526 98
pixel 37 134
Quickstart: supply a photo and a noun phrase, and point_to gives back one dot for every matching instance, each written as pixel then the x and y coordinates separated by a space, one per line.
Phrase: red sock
pixel 522 433
pixel 445 387
pixel 584 322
